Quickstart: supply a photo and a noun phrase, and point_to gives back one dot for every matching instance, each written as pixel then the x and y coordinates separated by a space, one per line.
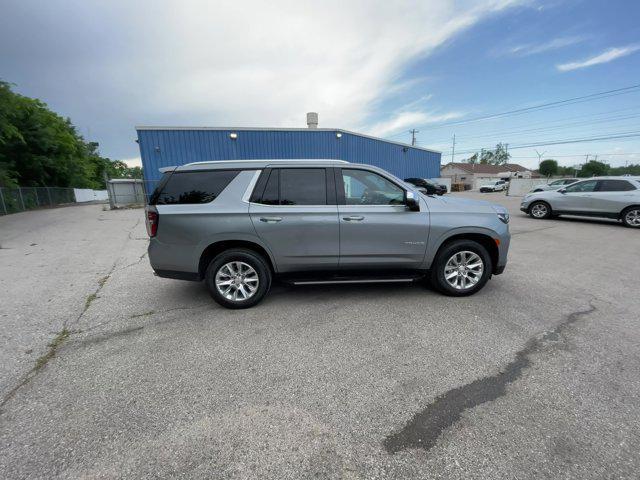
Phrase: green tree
pixel 473 159
pixel 593 168
pixel 633 169
pixel 40 148
pixel 548 167
pixel 500 155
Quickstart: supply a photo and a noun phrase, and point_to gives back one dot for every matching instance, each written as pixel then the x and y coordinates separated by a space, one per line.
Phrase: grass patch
pixel 53 346
pixel 90 300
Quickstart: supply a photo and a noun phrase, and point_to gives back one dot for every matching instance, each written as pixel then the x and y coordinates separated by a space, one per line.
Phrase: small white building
pixel 472 175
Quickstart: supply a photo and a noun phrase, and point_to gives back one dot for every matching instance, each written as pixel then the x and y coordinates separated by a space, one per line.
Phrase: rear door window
pixel 295 186
pixel 303 186
pixel 194 187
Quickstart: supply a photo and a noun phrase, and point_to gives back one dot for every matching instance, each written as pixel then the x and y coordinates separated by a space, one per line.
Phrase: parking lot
pixel 108 371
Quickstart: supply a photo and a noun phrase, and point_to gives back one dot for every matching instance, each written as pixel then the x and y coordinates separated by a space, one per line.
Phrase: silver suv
pixel 608 197
pixel 239 224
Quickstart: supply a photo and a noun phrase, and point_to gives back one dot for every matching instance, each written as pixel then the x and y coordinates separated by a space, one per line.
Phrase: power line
pixel 578 155
pixel 551 128
pixel 619 135
pixel 543 106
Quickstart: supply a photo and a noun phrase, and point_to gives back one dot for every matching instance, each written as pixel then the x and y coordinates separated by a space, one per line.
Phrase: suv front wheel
pixel 238 278
pixel 461 268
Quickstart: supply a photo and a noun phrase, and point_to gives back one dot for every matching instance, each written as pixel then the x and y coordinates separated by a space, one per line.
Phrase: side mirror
pixel 562 191
pixel 412 202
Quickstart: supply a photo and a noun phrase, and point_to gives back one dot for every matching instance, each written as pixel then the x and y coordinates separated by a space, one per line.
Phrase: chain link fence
pixel 13 200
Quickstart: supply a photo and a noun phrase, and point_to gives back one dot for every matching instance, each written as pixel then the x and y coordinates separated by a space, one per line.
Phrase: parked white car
pixel 497 186
pixel 555 185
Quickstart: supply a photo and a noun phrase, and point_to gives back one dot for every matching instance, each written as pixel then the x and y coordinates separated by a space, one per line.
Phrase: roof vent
pixel 312 120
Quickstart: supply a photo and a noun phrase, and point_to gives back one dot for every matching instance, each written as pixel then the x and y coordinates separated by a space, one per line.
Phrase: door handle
pixel 354 218
pixel 270 219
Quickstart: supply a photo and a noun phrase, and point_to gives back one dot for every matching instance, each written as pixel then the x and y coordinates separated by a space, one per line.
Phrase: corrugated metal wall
pixel 168 147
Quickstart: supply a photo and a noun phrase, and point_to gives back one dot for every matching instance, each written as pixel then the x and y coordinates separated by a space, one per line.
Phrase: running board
pixel 364 280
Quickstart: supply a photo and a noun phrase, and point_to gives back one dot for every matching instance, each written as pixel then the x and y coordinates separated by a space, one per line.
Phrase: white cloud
pixel 267 63
pixel 112 65
pixel 133 162
pixel 536 48
pixel 406 119
pixel 605 57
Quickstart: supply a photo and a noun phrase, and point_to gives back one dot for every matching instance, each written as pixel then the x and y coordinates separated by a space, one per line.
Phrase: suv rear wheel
pixel 238 278
pixel 461 268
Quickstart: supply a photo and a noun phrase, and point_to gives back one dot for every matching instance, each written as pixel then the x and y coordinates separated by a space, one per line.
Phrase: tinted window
pixel 367 188
pixel 194 187
pixel 303 186
pixel 271 195
pixel 588 186
pixel 615 186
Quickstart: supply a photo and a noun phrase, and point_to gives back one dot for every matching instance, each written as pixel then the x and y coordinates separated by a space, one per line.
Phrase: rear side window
pixel 194 187
pixel 303 186
pixel 295 186
pixel 615 186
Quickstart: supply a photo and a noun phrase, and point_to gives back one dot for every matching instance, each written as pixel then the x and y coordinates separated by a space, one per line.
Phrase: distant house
pixel 475 174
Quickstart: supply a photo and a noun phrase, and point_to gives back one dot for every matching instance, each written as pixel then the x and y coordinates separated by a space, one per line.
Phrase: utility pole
pixel 453 149
pixel 413 132
pixel 540 155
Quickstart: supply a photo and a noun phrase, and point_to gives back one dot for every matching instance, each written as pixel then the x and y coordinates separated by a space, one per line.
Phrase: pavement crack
pixel 426 426
pixel 137 262
pixel 533 230
pixel 41 362
pixel 64 334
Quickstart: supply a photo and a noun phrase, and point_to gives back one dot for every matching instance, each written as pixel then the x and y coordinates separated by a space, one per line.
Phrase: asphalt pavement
pixel 110 372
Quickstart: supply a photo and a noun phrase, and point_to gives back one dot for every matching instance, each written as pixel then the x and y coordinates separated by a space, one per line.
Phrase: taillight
pixel 152 223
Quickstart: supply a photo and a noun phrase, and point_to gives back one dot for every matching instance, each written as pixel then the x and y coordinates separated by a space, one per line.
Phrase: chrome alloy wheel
pixel 237 281
pixel 539 210
pixel 633 217
pixel 463 270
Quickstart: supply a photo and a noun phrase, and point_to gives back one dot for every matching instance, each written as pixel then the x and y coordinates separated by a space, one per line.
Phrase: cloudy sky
pixel 378 67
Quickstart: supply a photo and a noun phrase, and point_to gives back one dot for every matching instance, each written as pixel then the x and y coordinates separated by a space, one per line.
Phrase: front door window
pixel 362 187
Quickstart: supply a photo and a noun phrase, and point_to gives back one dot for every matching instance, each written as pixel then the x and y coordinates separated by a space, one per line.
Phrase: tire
pixel 462 250
pixel 540 210
pixel 631 217
pixel 244 266
pixel 538 190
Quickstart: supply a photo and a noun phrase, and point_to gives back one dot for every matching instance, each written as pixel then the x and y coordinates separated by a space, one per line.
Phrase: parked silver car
pixel 607 197
pixel 239 224
pixel 555 185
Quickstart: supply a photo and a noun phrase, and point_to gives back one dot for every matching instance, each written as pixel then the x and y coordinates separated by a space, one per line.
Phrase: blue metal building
pixel 168 146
